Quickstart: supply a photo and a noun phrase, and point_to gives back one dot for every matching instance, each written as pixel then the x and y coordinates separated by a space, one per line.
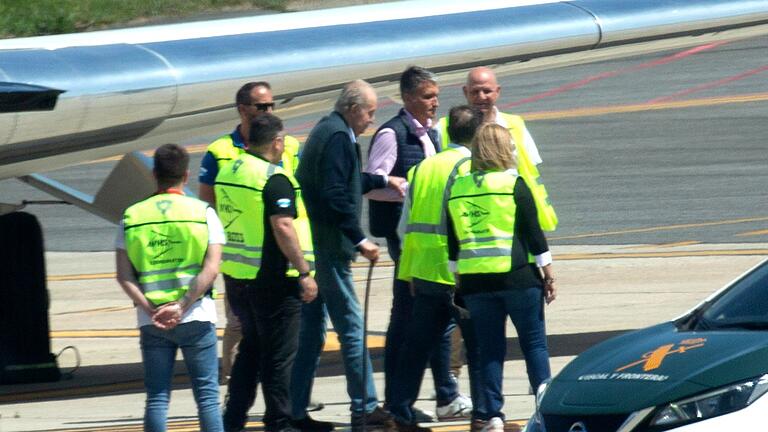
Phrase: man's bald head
pixel 482 90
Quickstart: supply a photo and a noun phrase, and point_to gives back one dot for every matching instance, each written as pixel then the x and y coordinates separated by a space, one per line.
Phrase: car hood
pixel 653 366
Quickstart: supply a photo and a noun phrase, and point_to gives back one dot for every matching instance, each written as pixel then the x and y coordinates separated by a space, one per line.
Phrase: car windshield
pixel 743 306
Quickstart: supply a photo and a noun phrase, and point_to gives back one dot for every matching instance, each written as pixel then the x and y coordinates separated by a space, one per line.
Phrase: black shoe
pixel 310 424
pixel 378 419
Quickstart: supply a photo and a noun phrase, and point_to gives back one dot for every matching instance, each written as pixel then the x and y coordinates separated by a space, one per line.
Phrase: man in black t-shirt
pixel 261 211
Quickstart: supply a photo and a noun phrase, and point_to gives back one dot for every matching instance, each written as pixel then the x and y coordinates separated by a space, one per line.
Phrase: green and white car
pixel 705 371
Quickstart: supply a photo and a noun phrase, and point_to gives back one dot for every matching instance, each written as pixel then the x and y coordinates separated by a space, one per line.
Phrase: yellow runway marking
pixel 752 233
pixel 388 264
pixel 562 114
pixel 94 276
pixel 664 245
pixel 77 277
pixel 192 425
pixel 670 254
pixel 331 343
pixel 662 228
pixel 103 309
pixel 621 109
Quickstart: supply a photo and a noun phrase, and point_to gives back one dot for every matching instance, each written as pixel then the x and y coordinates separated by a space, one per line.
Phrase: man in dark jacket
pixel 399 144
pixel 332 183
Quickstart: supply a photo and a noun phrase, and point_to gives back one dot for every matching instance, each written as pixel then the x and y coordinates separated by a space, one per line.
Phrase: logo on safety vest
pixel 653 359
pixel 160 244
pixel 475 214
pixel 227 208
pixel 163 206
pixel 236 165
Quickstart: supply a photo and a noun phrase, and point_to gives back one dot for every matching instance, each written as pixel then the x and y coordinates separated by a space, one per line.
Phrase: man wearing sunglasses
pixel 252 99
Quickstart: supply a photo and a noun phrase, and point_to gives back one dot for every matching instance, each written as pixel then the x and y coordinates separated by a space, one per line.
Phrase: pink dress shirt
pixel 383 156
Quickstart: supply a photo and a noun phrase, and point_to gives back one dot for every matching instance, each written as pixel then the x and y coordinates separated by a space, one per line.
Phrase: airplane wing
pixel 129 89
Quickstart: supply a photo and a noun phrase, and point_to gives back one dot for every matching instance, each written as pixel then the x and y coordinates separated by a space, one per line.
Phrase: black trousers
pixel 267 350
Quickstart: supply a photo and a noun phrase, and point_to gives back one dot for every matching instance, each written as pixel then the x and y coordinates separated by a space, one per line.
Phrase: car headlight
pixel 541 391
pixel 711 404
pixel 535 423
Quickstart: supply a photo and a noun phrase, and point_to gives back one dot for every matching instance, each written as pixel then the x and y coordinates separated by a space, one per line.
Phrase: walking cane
pixel 366 297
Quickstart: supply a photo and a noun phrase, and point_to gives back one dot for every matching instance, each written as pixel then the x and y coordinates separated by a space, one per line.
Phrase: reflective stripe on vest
pixel 425 245
pixel 166 237
pixel 239 200
pixel 528 171
pixel 482 207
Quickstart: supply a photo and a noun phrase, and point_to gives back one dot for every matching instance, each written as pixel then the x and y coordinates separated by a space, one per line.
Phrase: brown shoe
pixel 379 420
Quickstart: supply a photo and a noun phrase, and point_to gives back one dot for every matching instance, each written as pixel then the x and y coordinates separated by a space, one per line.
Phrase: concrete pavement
pixel 603 291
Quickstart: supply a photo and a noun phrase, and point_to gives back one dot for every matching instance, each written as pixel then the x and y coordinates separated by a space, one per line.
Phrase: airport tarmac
pixel 603 291
pixel 656 164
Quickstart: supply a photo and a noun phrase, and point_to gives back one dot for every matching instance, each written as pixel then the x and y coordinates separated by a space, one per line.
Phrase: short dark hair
pixel 412 78
pixel 463 121
pixel 243 96
pixel 171 163
pixel 264 129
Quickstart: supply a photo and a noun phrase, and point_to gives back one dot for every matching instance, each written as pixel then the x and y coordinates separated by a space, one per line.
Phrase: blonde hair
pixel 493 149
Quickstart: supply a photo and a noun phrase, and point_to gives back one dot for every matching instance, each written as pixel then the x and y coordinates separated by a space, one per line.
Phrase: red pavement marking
pixel 709 85
pixel 301 127
pixel 581 83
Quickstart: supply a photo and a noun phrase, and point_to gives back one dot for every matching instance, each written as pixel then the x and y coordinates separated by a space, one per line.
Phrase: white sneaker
pixel 495 424
pixel 459 409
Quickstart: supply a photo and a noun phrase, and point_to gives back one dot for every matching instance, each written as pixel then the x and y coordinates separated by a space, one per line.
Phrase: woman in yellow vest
pixel 503 265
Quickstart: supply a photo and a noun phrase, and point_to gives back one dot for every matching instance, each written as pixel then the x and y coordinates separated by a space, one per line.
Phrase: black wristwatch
pixel 303 275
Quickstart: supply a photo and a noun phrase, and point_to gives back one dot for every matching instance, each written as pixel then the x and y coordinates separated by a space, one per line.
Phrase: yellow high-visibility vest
pixel 240 205
pixel 166 237
pixel 425 245
pixel 291 154
pixel 482 208
pixel 527 169
pixel 225 150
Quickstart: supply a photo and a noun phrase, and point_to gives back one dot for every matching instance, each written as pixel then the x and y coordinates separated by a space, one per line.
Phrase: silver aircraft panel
pixel 627 20
pixel 208 70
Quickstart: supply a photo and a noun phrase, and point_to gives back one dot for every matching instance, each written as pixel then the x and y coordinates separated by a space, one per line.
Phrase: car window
pixel 744 304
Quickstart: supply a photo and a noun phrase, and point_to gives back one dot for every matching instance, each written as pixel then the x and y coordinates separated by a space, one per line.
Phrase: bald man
pixel 482 90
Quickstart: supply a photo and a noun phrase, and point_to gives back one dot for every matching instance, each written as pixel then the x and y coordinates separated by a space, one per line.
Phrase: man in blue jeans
pixel 424 265
pixel 330 177
pixel 167 257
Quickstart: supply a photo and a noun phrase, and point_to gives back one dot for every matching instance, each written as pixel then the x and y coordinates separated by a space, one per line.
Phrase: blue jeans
pixel 338 300
pixel 400 325
pixel 489 313
pixel 197 340
pixel 433 314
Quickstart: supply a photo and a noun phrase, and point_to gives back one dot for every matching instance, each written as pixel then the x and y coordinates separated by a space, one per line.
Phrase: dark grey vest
pixel 385 215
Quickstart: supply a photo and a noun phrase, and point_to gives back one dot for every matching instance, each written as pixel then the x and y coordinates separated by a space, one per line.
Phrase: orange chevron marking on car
pixel 652 360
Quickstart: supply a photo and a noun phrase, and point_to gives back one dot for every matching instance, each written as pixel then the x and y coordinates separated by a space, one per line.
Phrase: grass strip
pixel 20 18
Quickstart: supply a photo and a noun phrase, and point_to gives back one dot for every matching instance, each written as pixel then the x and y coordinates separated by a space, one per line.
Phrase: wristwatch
pixel 303 275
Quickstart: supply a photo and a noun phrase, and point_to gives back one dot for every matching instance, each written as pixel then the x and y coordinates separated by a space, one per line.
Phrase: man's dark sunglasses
pixel 263 106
